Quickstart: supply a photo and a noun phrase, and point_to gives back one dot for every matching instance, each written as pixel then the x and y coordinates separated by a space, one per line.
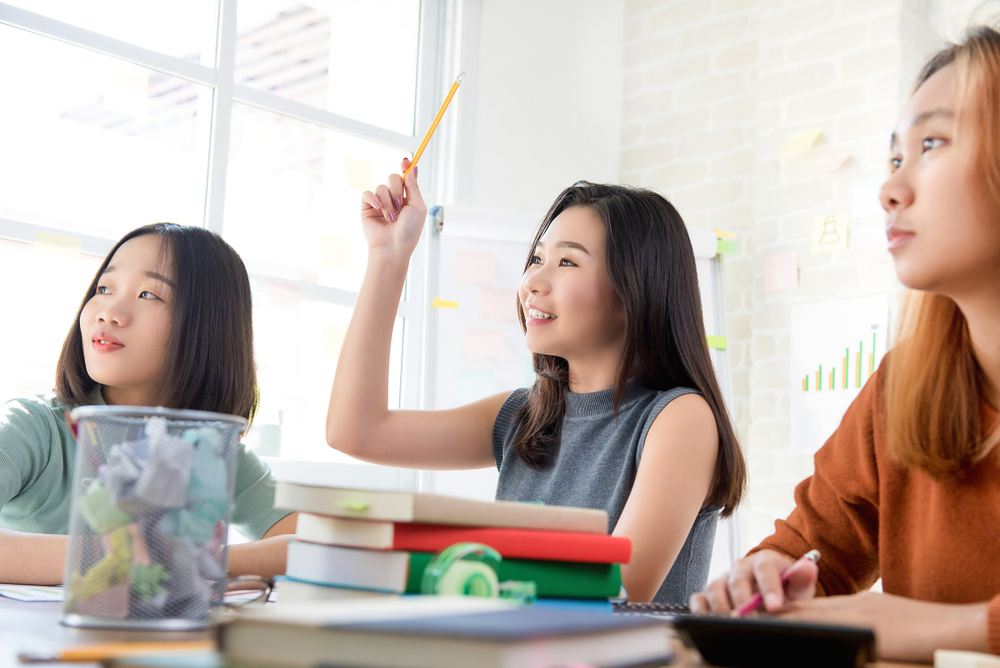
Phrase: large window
pixel 261 120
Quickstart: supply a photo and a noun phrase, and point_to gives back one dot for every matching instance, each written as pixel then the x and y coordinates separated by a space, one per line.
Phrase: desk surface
pixel 35 627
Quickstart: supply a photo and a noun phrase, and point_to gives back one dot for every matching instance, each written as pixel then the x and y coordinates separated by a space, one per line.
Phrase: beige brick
pixel 864 124
pixel 739 271
pixel 761 464
pixel 762 348
pixel 768 375
pixel 734 299
pixel 779 25
pixel 651 49
pixel 646 104
pixel 885 28
pixel 631 133
pixel 634 30
pixel 771 57
pixel 678 69
pixel 850 8
pixel 735 164
pixel 713 89
pixel 739 55
pixel 640 7
pixel 723 7
pixel 801 80
pixel 768 116
pixel 713 142
pixel 738 218
pixel 631 178
pixel 679 14
pixel 632 83
pixel 868 62
pixel 732 112
pixel 735 351
pixel 674 125
pixel 820 282
pixel 823 105
pixel 676 176
pixel 766 232
pixel 715 34
pixel 739 326
pixel 762 406
pixel 770 315
pixel 887 88
pixel 797 466
pixel 647 156
pixel 827 44
pixel 709 196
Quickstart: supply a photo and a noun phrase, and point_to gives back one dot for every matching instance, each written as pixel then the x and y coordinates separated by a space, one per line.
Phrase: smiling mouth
pixel 540 315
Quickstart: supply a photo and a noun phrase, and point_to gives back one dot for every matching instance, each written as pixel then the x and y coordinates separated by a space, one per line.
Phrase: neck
pixel 123 396
pixel 982 314
pixel 593 374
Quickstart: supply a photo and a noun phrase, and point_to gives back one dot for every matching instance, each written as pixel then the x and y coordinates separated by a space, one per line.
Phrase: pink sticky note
pixel 498 304
pixel 829 163
pixel 283 295
pixel 475 268
pixel 781 271
pixel 483 344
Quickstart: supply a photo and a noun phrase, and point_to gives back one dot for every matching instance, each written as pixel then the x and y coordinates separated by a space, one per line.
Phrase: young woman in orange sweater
pixel 908 487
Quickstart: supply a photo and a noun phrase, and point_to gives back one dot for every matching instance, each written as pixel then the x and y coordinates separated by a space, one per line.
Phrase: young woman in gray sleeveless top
pixel 625 413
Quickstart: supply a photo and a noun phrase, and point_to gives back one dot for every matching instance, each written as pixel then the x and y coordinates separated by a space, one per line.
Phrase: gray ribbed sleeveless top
pixel 596 466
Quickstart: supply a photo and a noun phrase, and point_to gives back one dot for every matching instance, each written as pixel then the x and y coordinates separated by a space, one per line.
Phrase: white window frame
pixel 436 50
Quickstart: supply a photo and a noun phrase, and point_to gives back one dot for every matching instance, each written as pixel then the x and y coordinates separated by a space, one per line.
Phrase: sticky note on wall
pixel 281 294
pixel 333 340
pixel 334 252
pixel 498 304
pixel 475 268
pixel 359 174
pixel 830 233
pixel 781 271
pixel 483 344
pixel 798 142
pixel 58 246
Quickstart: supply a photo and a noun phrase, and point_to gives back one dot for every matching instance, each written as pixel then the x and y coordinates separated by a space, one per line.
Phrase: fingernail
pixel 378 204
pixel 398 202
pixel 392 217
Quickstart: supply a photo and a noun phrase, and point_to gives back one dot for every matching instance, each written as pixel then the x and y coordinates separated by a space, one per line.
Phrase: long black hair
pixel 652 269
pixel 209 362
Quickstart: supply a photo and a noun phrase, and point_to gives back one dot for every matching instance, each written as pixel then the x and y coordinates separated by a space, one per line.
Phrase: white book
pixel 292 590
pixel 435 509
pixel 346 566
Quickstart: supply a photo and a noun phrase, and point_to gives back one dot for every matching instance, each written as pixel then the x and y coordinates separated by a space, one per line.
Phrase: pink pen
pixel 754 603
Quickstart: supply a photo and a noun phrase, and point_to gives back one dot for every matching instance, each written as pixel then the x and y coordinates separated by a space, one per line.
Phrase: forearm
pixel 358 400
pixel 261 557
pixel 31 558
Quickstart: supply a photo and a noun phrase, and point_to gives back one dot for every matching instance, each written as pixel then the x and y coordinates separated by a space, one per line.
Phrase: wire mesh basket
pixel 153 489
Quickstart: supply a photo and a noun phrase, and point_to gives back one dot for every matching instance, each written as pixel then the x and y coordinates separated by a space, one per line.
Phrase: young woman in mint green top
pixel 165 322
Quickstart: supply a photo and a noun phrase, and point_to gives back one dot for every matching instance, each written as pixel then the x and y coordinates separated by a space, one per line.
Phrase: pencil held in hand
pixel 437 119
pixel 754 603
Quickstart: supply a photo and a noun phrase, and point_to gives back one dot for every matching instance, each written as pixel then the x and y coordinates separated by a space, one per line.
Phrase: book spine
pixel 553 579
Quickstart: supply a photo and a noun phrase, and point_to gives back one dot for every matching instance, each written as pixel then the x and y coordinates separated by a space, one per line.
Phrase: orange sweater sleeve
pixel 836 509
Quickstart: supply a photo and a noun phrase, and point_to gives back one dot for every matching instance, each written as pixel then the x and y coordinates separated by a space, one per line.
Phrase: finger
pixel 413 196
pixel 767 575
pixel 395 184
pixel 385 198
pixel 698 603
pixel 740 583
pixel 370 200
pixel 800 582
pixel 717 596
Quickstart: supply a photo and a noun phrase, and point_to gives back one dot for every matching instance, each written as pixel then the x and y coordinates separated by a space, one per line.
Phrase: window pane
pixel 44 287
pixel 356 59
pixel 293 194
pixel 96 144
pixel 181 28
pixel 297 344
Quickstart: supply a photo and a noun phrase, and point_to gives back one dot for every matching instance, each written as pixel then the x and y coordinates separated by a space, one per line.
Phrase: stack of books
pixel 356 543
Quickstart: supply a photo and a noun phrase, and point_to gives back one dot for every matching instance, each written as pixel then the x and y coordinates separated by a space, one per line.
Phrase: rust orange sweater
pixel 870 517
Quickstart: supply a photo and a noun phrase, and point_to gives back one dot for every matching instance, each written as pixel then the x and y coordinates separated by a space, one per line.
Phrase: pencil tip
pixel 461 75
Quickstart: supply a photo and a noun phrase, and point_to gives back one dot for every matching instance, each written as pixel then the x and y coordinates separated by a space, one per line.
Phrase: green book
pixel 553 579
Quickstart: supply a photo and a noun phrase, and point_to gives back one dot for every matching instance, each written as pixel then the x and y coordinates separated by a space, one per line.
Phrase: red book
pixel 510 543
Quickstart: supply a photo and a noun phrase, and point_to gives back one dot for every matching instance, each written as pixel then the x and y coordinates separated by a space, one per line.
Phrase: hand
pixel 905 629
pixel 761 571
pixel 393 216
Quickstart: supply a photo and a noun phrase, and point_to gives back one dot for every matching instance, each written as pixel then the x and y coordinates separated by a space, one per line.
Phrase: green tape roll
pixel 469 578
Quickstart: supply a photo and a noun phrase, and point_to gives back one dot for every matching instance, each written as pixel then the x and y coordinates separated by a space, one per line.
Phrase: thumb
pixel 801 581
pixel 413 196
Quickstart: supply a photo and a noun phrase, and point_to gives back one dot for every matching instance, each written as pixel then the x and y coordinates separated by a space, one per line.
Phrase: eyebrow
pixel 566 244
pixel 922 118
pixel 151 274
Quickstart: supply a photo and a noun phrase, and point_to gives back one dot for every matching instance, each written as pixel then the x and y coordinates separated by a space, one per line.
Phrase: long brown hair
pixel 933 384
pixel 652 269
pixel 209 363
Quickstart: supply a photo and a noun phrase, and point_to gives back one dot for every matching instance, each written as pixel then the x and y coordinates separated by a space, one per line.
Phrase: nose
pixel 895 193
pixel 113 312
pixel 535 280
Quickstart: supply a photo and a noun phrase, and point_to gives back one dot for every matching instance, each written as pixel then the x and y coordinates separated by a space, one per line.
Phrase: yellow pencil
pixel 437 119
pixel 108 651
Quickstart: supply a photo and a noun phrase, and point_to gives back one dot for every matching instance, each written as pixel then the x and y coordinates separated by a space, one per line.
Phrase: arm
pixel 674 477
pixel 359 422
pixel 265 556
pixel 31 558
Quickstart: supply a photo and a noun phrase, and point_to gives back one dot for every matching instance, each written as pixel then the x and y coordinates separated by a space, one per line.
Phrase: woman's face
pixel 942 224
pixel 126 323
pixel 570 307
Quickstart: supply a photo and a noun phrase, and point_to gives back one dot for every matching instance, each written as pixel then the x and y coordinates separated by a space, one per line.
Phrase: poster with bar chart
pixel 835 348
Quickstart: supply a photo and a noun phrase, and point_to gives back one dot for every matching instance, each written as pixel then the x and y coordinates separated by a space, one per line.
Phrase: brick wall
pixel 712 88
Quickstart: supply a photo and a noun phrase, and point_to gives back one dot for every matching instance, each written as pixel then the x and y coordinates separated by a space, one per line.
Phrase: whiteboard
pixel 474 346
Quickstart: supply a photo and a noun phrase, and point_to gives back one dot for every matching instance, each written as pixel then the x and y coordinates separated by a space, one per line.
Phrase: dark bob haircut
pixel 651 265
pixel 209 361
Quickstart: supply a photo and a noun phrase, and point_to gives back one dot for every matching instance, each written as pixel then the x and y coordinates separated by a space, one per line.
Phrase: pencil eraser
pixel 950 658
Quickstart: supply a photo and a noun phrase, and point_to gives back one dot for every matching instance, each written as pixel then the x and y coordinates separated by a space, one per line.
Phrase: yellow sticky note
pixel 333 340
pixel 441 303
pixel 829 163
pixel 719 234
pixel 800 141
pixel 334 252
pixel 58 246
pixel 830 233
pixel 717 342
pixel 359 174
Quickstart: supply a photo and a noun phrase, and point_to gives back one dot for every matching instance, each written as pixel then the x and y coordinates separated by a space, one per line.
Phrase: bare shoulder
pixel 687 418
